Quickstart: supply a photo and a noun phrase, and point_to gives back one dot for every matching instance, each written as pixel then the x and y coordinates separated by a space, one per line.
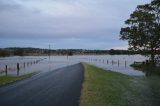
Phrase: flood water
pixel 28 64
pixel 117 63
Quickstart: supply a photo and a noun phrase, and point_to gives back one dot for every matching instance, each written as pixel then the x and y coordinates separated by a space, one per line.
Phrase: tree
pixel 143 29
pixel 69 53
pixel 19 52
pixel 4 53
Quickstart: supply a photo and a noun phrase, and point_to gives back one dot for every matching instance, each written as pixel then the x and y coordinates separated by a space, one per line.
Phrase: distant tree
pixel 3 53
pixel 69 53
pixel 19 52
pixel 143 29
pixel 112 52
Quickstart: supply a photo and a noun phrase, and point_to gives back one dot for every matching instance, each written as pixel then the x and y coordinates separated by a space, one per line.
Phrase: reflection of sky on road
pixel 54 62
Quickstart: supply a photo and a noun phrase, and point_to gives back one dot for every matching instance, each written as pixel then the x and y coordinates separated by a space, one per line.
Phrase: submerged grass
pixel 148 69
pixel 107 88
pixel 10 79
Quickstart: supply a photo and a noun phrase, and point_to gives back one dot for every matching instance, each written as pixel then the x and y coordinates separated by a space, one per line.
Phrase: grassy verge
pixel 9 79
pixel 103 88
pixel 106 88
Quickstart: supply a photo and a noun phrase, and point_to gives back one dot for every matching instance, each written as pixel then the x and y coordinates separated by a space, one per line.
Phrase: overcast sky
pixel 81 24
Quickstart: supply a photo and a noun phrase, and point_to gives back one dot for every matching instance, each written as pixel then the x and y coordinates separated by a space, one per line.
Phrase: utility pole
pixel 49 52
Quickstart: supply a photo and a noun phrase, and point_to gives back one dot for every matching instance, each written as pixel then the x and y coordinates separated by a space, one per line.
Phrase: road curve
pixel 59 87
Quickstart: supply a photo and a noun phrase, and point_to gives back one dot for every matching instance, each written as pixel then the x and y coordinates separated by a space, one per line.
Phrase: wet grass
pixel 150 70
pixel 10 79
pixel 107 88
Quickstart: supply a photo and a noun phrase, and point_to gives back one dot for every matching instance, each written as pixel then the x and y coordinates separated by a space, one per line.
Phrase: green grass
pixel 107 88
pixel 103 88
pixel 10 79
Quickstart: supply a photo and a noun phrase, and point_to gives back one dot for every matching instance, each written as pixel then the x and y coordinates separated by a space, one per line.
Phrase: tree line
pixel 44 52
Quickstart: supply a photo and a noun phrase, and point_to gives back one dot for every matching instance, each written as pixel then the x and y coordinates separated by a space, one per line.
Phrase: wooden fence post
pixel 18 69
pixel 118 63
pixel 24 64
pixel 6 70
pixel 125 63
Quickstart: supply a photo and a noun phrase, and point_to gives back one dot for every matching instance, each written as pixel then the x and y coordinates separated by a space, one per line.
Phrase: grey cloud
pixel 94 20
pixel 9 5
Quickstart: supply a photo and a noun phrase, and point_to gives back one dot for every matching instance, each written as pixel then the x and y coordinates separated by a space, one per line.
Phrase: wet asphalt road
pixel 59 87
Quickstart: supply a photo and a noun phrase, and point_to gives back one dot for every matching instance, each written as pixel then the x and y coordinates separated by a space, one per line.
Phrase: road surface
pixel 59 87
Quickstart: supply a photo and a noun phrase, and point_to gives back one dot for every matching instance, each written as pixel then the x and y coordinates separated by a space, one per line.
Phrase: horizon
pixel 60 49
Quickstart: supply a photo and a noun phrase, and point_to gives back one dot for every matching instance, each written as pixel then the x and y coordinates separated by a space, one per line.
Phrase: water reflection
pixel 31 65
pixel 149 70
pixel 118 63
